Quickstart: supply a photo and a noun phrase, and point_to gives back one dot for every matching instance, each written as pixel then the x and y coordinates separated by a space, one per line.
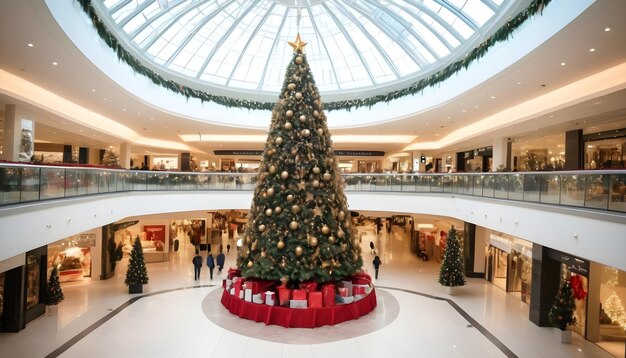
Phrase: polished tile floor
pixel 180 317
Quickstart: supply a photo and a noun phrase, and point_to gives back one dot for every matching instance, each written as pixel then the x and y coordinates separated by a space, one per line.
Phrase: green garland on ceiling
pixel 502 34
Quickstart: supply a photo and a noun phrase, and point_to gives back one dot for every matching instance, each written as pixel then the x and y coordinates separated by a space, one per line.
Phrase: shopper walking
pixel 372 247
pixel 228 249
pixel 220 261
pixel 211 264
pixel 197 265
pixel 377 264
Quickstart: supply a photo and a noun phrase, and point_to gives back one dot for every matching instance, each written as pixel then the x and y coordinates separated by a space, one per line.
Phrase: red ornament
pixel 577 286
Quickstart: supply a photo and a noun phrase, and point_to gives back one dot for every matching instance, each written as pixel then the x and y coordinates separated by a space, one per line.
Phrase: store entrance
pixel 496 267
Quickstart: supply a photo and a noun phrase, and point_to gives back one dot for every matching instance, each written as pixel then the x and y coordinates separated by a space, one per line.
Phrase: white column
pixel 500 154
pixel 125 155
pixel 418 166
pixel 19 126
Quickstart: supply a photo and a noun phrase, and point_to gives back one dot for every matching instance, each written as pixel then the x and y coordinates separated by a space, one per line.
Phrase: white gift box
pixel 298 304
pixel 269 298
pixel 347 285
pixel 248 294
pixel 229 284
pixel 232 291
pixel 257 298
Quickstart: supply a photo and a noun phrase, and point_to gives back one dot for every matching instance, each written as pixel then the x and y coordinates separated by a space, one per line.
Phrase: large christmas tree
pixel 299 225
pixel 53 295
pixel 451 270
pixel 137 273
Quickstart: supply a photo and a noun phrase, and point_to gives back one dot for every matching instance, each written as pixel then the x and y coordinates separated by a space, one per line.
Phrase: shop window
pixel 72 257
pixel 33 275
pixel 613 311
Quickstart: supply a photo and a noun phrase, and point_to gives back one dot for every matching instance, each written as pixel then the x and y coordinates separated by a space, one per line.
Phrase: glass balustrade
pixel 604 190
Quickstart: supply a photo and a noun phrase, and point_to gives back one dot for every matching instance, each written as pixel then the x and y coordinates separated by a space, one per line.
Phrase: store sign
pixel 238 152
pixel 500 243
pixel 124 225
pixel 359 153
pixel 576 265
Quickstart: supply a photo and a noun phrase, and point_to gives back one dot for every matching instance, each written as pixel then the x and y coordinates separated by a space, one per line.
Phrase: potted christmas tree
pixel 561 314
pixel 137 275
pixel 451 271
pixel 53 295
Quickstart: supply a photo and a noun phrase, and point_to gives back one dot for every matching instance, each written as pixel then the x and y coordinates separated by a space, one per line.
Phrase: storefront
pixel 508 264
pixel 72 257
pixel 612 319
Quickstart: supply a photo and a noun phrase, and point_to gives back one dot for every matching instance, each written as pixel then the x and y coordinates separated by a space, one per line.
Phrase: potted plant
pixel 53 295
pixel 561 314
pixel 451 271
pixel 137 275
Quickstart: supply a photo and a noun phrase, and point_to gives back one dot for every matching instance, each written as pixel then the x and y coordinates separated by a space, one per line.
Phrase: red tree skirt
pixel 299 317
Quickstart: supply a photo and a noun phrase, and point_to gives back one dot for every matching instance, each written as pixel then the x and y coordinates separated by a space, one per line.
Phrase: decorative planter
pixel 135 288
pixel 52 310
pixel 563 336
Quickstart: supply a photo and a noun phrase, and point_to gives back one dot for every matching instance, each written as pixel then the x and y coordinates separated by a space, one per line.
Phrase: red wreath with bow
pixel 577 286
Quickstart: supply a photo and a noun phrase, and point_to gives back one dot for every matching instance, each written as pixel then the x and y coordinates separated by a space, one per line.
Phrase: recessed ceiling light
pixel 607 29
pixel 463 111
pixel 123 109
pixel 55 63
pixel 94 134
pixel 562 63
pixel 151 118
pixel 80 130
pixel 31 45
pixel 493 97
pixel 475 107
pixel 93 90
pixel 592 49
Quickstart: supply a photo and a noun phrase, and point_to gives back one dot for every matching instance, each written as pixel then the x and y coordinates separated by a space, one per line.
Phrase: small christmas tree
pixel 53 294
pixel 561 314
pixel 615 310
pixel 451 271
pixel 137 273
pixel 110 159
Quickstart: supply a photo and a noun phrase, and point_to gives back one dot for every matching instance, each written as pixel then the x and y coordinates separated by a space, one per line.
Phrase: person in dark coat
pixel 197 265
pixel 372 246
pixel 211 264
pixel 377 264
pixel 220 261
pixel 228 249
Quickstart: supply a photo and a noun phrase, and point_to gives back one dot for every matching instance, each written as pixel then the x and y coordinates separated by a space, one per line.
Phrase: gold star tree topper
pixel 298 45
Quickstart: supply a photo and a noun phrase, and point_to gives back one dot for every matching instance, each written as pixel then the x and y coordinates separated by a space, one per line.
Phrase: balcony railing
pixel 603 190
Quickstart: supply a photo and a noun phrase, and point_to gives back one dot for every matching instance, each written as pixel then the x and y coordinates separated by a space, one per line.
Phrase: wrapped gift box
pixel 232 291
pixel 315 299
pixel 299 295
pixel 309 286
pixel 257 298
pixel 359 289
pixel 328 295
pixel 348 286
pixel 363 276
pixel 269 298
pixel 284 295
pixel 343 292
pixel 239 287
pixel 233 272
pixel 260 286
pixel 297 304
pixel 248 294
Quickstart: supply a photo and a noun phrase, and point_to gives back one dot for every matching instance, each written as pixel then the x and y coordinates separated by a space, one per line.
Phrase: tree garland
pixel 502 34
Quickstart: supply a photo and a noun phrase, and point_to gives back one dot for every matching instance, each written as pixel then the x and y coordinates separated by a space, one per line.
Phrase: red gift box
pixel 310 286
pixel 363 276
pixel 358 290
pixel 299 295
pixel 328 295
pixel 284 295
pixel 233 272
pixel 260 286
pixel 315 299
pixel 238 286
pixel 343 291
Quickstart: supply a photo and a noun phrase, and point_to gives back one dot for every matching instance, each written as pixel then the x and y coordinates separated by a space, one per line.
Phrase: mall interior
pixel 147 120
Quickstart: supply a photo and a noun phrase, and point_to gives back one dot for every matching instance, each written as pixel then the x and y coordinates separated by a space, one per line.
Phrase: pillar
pixel 419 161
pixel 574 150
pixel 185 161
pixel 501 155
pixel 593 301
pixel 469 250
pixel 125 155
pixel 19 134
pixel 544 286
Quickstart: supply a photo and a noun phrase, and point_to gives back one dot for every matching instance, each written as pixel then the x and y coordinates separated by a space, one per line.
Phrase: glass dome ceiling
pixel 353 45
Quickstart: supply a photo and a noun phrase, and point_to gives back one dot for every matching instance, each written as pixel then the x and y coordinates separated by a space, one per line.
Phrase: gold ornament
pixel 299 60
pixel 355 256
pixel 325 264
pixel 316 170
pixel 320 131
pixel 295 209
pixel 344 247
pixel 278 210
pixel 268 212
pixel 331 239
pixel 303 118
pixel 280 245
pixel 278 140
pixel 264 195
pixel 261 228
pixel 298 96
pixel 342 215
pixel 250 264
pixel 327 176
pixel 299 251
pixel 289 113
pixel 291 86
pixel 284 174
pixel 272 169
pixel 270 191
pixel 306 132
pixel 290 198
pixel 316 114
pixel 325 230
pixel 288 125
pixel 263 253
pixel 293 225
pixel 316 183
pixel 340 234
pixel 313 241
